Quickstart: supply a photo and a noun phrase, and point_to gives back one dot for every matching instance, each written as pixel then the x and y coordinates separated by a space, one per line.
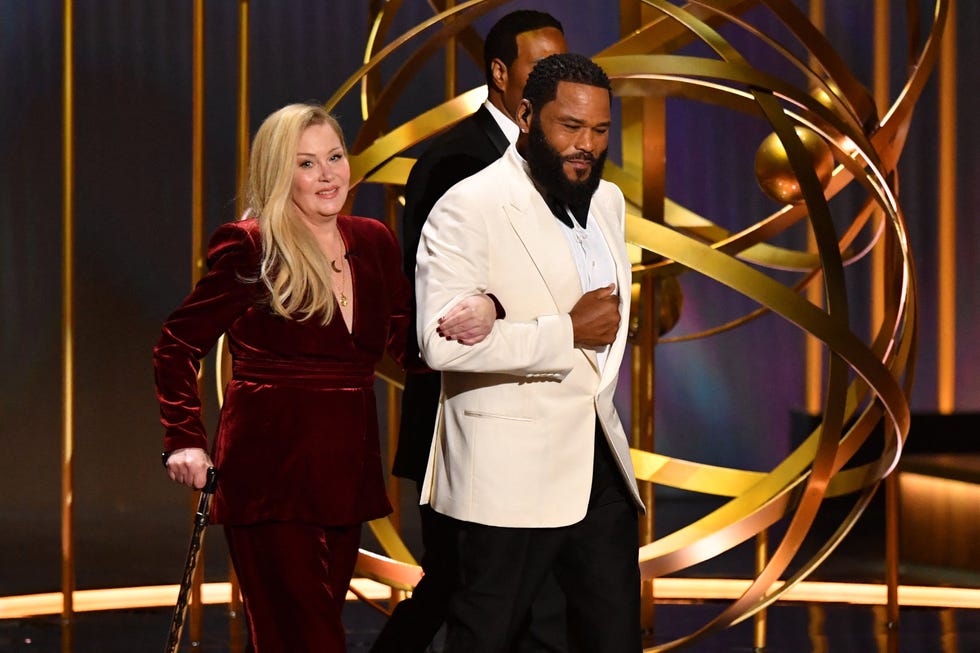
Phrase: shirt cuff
pixel 501 313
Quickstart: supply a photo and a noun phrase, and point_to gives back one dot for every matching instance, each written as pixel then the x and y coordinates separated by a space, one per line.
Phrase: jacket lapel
pixel 608 217
pixel 485 120
pixel 539 231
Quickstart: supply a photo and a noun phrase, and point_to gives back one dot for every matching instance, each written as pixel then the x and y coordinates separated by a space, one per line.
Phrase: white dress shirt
pixel 593 261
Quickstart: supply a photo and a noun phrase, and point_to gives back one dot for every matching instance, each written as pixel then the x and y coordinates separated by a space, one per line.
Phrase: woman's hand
pixel 469 321
pixel 189 467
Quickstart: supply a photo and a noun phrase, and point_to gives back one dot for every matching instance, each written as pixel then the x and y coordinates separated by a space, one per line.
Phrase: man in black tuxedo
pixel 513 45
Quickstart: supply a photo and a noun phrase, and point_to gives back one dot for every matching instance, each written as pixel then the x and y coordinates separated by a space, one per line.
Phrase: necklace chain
pixel 344 300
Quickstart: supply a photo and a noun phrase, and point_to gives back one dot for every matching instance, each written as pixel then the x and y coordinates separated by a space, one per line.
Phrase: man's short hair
pixel 501 42
pixel 542 83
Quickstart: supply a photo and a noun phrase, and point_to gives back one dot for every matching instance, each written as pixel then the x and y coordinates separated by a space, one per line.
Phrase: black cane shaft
pixel 193 552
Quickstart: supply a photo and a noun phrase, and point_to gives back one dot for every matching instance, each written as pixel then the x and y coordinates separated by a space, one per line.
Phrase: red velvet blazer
pixel 298 433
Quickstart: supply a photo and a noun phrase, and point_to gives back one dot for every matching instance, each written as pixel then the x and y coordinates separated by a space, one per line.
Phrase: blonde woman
pixel 310 300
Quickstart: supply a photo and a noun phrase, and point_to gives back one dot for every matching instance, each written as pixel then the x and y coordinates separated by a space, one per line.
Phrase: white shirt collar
pixel 508 126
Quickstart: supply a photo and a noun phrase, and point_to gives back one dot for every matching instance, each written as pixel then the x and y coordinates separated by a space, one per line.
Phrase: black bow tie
pixel 561 210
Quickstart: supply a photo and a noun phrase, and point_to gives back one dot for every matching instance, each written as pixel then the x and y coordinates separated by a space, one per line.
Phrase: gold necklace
pixel 344 300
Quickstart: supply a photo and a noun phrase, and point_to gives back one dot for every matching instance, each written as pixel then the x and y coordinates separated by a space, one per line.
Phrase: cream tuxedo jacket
pixel 515 434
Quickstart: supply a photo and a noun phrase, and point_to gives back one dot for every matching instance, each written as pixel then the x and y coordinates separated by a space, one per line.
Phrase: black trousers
pixel 416 620
pixel 594 561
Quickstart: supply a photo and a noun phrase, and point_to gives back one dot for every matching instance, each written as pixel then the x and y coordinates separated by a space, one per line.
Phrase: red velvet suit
pixel 297 447
pixel 298 432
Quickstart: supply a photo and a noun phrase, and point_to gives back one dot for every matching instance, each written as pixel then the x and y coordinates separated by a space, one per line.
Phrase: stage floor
pixel 793 627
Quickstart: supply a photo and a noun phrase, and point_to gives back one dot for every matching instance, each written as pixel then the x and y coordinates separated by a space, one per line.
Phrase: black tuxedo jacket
pixel 454 155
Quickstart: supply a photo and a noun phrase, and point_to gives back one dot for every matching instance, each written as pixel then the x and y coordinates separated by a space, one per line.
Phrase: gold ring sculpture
pixel 827 135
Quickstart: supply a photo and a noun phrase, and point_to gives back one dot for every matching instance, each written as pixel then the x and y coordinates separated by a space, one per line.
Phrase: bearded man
pixel 529 455
pixel 513 45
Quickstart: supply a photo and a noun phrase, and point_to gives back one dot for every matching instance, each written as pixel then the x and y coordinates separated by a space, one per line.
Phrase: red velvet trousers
pixel 294 580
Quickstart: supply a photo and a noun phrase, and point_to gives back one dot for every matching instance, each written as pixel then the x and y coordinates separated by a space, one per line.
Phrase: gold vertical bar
pixel 450 60
pixel 644 154
pixel 815 628
pixel 650 148
pixel 760 618
pixel 242 142
pixel 654 144
pixel 813 356
pixel 631 108
pixel 67 328
pixel 654 162
pixel 632 145
pixel 195 618
pixel 882 94
pixel 949 637
pixel 880 615
pixel 946 355
pixel 393 394
pixel 642 398
pixel 393 397
pixel 644 394
pixel 394 489
pixel 892 503
pixel 197 145
pixel 629 16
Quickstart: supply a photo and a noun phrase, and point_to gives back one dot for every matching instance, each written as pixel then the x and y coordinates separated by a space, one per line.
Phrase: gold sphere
pixel 774 173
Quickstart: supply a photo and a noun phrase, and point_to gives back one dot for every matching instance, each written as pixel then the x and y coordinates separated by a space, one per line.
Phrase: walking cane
pixel 193 553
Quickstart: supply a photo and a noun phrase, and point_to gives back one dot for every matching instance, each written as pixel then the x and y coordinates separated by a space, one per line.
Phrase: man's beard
pixel 547 169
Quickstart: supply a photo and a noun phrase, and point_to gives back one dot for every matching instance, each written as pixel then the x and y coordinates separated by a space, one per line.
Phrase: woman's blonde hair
pixel 294 268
